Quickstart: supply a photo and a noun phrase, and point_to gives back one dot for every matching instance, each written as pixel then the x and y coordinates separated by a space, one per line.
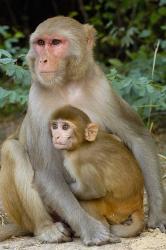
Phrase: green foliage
pixel 17 96
pixel 10 40
pixel 15 84
pixel 125 27
pixel 142 93
pixel 15 77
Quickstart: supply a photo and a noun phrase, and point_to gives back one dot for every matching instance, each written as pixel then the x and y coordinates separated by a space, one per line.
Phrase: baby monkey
pixel 106 178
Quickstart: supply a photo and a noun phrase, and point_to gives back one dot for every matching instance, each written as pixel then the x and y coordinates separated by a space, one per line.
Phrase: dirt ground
pixel 148 240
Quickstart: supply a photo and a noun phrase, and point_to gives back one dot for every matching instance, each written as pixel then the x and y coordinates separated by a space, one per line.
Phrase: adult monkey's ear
pixel 90 33
pixel 91 132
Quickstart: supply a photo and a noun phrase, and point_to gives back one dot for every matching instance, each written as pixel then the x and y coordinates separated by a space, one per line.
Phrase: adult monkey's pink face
pixel 59 47
pixel 50 50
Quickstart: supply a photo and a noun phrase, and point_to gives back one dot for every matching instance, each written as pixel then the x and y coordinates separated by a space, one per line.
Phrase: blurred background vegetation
pixel 131 48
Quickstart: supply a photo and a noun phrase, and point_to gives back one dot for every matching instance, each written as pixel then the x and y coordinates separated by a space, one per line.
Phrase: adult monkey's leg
pixel 21 200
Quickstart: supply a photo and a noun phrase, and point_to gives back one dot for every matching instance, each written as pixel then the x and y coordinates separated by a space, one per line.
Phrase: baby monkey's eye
pixel 54 125
pixel 65 126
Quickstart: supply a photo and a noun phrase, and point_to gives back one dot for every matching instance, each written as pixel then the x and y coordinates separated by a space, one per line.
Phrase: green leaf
pixel 5 53
pixel 115 62
pixel 9 69
pixel 4 94
pixel 162 11
pixel 145 33
pixel 154 17
pixel 73 14
pixel 19 35
pixel 163 27
pixel 162 2
pixel 4 30
pixel 6 60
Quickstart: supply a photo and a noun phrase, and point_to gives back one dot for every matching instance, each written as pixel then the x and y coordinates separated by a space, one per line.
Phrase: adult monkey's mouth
pixel 48 76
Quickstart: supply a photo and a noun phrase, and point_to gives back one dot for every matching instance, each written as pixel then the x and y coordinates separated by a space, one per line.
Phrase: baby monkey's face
pixel 63 134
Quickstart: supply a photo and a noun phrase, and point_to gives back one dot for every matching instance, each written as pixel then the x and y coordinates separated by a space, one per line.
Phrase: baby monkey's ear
pixel 91 132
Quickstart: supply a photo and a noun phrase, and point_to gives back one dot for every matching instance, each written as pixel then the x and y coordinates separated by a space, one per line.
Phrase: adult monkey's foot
pixel 157 220
pixel 98 234
pixel 55 233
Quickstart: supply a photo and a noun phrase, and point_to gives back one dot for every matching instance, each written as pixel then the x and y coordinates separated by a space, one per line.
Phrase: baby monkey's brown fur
pixel 106 178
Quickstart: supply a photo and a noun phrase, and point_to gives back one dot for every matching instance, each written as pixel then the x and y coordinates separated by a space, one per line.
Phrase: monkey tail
pixel 9 230
pixel 131 230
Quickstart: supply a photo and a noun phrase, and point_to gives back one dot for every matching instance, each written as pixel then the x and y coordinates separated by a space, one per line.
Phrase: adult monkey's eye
pixel 56 41
pixel 54 125
pixel 40 42
pixel 65 126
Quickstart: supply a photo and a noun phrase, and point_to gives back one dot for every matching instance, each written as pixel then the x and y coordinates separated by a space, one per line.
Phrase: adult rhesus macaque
pixel 105 176
pixel 64 72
